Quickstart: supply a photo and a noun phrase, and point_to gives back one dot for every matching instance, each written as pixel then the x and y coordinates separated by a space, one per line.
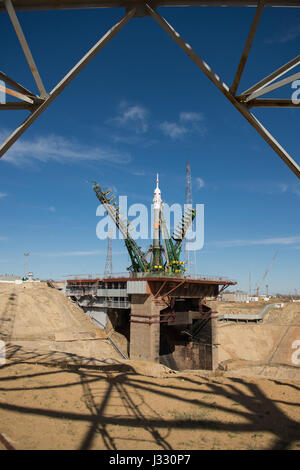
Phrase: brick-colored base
pixel 144 328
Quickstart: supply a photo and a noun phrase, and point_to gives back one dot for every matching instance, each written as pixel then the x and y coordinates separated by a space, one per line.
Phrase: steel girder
pixel 37 104
pixel 27 5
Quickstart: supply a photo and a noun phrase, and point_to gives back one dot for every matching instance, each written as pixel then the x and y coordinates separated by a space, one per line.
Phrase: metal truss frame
pixel 37 104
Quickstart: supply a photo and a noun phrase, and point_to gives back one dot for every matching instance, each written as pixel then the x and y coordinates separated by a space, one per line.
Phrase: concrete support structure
pixel 214 343
pixel 144 328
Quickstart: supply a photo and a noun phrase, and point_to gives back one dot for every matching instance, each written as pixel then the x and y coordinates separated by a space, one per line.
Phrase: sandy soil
pixel 51 408
pixel 41 318
pixel 63 387
pixel 262 349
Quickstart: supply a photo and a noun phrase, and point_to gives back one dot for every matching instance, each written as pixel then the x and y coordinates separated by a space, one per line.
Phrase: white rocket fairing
pixel 156 215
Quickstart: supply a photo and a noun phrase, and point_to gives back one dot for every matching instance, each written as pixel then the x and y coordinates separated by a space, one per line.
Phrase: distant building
pixel 253 299
pixel 234 297
pixel 9 277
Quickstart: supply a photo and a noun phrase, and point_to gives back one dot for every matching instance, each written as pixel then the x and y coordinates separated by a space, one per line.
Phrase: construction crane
pixel 266 272
pixel 164 257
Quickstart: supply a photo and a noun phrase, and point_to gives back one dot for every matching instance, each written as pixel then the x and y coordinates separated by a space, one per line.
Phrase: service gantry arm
pixel 182 228
pixel 173 245
pixel 138 259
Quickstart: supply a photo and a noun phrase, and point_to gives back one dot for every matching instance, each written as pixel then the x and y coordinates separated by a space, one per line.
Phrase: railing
pixel 110 292
pixel 248 316
pixel 116 304
pixel 129 276
pixel 81 290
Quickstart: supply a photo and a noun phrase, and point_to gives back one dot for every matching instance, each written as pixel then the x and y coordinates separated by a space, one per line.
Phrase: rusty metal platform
pixel 160 286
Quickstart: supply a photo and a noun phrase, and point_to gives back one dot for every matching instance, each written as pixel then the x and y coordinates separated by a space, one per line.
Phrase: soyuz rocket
pixel 164 252
pixel 157 207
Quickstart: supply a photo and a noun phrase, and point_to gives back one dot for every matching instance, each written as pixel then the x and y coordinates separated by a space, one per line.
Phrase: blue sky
pixel 141 107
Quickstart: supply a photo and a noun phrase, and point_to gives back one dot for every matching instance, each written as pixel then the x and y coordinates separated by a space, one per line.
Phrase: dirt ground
pixel 57 392
pixel 262 349
pixel 40 318
pixel 51 408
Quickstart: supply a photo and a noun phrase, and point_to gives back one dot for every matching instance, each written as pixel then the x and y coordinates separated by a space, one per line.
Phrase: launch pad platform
pixel 161 318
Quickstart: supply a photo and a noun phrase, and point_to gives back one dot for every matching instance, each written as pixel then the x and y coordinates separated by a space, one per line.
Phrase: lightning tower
pixel 189 202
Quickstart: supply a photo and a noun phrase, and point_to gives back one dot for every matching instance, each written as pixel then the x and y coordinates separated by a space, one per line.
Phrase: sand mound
pixel 40 318
pixel 264 349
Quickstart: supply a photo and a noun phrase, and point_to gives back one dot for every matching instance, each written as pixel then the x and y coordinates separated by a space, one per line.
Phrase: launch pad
pixel 158 318
pixel 158 309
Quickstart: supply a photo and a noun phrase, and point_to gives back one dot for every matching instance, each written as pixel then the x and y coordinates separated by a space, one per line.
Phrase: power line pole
pixel 250 287
pixel 25 263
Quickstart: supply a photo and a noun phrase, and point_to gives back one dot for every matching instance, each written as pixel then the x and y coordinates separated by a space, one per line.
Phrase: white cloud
pixel 173 130
pixel 191 117
pixel 264 187
pixel 135 118
pixel 132 117
pixel 265 241
pixel 60 149
pixel 141 140
pixel 72 253
pixel 283 187
pixel 200 183
pixel 2 195
pixel 76 253
pixel 126 139
pixel 286 34
pixel 286 188
pixel 188 122
pixel 139 172
pixel 296 189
